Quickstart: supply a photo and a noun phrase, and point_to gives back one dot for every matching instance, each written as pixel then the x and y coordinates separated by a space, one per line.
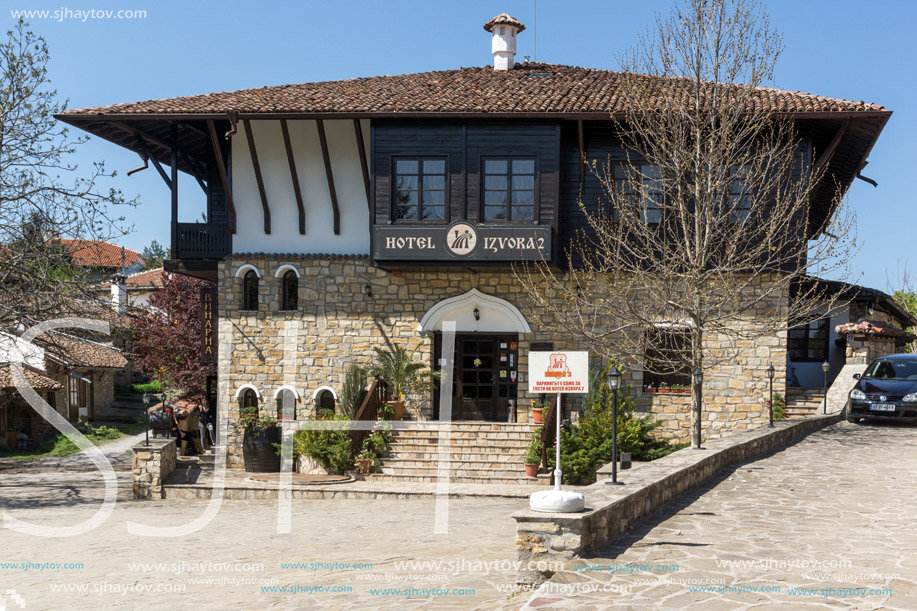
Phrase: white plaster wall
pixel 348 182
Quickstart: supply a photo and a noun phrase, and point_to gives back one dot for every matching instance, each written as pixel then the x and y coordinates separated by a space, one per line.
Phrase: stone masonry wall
pixel 336 323
pixel 152 465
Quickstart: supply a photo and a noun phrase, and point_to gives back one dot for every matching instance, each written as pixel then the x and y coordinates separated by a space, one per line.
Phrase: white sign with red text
pixel 558 372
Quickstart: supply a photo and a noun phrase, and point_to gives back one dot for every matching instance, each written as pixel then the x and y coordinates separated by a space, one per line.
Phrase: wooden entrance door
pixel 484 380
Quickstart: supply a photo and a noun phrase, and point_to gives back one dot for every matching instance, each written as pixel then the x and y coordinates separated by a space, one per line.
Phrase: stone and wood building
pixel 353 214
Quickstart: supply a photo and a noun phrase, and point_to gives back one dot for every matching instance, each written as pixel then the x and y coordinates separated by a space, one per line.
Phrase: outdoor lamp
pixel 614 383
pixel 146 409
pixel 825 367
pixel 368 291
pixel 770 404
pixel 698 379
pixel 477 313
pixel 614 379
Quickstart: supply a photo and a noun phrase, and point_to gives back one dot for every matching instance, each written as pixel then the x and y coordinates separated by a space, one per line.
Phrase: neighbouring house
pixel 83 375
pixel 103 259
pixel 18 420
pixel 349 214
pixel 135 290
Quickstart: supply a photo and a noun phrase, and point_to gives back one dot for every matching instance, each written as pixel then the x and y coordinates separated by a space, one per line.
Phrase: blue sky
pixel 841 48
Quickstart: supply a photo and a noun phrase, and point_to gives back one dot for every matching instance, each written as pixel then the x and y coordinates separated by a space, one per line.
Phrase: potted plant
pixel 367 458
pixel 779 407
pixel 401 374
pixel 258 443
pixel 533 456
pixel 663 388
pixel 538 411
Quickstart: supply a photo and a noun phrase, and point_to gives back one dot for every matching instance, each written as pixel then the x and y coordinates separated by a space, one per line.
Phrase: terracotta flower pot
pixel 399 409
pixel 531 469
pixel 537 416
pixel 364 465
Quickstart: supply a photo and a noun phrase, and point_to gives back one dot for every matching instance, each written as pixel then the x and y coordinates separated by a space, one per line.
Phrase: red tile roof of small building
pixel 153 278
pixel 503 19
pixel 78 352
pixel 537 88
pixel 97 253
pixel 37 379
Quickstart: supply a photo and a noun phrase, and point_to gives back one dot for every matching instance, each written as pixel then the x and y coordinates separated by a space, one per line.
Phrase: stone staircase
pixel 479 453
pixel 801 402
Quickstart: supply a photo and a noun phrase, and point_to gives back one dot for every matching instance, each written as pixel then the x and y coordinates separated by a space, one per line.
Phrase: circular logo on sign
pixel 461 238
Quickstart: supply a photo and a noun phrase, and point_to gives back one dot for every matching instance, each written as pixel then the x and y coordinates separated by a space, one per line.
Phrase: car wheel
pixel 853 419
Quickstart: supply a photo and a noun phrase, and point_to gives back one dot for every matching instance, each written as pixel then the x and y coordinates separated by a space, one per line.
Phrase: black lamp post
pixel 614 383
pixel 825 367
pixel 699 397
pixel 770 404
pixel 146 409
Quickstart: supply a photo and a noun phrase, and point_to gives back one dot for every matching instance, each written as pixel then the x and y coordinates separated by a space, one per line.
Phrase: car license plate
pixel 882 407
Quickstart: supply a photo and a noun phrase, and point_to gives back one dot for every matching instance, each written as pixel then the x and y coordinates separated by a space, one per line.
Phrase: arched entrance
pixel 486 354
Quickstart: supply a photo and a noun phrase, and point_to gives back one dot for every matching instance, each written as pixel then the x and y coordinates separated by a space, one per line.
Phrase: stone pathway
pixel 824 524
pixel 118 453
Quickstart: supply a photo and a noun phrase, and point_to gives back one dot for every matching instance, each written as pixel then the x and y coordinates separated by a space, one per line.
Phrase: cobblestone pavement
pixel 118 453
pixel 827 523
pixel 393 537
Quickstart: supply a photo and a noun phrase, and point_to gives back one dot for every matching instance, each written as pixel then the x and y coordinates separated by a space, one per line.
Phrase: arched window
pixel 286 399
pixel 249 402
pixel 289 291
pixel 324 402
pixel 250 291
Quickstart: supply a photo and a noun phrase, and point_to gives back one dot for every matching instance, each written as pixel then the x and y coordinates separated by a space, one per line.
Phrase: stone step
pixel 483 466
pixel 396 453
pixel 433 445
pixel 467 436
pixel 461 479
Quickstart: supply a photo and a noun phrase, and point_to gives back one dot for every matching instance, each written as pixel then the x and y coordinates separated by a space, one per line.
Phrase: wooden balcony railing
pixel 368 412
pixel 201 241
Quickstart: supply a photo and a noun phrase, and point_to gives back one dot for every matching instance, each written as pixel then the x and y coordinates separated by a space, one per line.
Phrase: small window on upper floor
pixel 419 189
pixel 250 291
pixel 640 184
pixel 289 297
pixel 509 189
pixel 740 194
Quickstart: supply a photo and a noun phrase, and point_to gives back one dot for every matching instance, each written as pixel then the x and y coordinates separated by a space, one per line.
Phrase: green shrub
pixel 330 447
pixel 587 445
pixel 152 387
pixel 353 390
pixel 779 407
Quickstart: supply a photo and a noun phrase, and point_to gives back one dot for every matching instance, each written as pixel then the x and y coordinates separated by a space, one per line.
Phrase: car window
pixel 886 369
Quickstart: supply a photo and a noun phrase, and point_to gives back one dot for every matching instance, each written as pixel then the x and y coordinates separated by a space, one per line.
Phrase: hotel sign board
pixel 462 241
pixel 558 372
pixel 208 322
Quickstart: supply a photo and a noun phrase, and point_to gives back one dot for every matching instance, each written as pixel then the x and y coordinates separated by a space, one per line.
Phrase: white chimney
pixel 503 29
pixel 119 292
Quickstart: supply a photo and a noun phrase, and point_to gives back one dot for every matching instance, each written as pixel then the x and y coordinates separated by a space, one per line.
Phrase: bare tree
pixel 43 195
pixel 701 231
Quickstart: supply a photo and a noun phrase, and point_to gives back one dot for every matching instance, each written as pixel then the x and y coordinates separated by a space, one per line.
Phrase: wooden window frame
pixel 420 159
pixel 250 277
pixel 681 341
pixel 823 324
pixel 536 187
pixel 248 392
pixel 618 185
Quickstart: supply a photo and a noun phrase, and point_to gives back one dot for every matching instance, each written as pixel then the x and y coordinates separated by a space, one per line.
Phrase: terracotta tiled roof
pixel 503 19
pixel 872 329
pixel 154 278
pixel 96 253
pixel 37 379
pixel 78 352
pixel 527 88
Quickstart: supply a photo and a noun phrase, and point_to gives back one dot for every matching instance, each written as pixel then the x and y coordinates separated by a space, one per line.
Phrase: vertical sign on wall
pixel 208 320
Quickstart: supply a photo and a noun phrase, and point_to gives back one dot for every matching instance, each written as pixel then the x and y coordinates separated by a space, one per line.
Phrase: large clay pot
pixel 364 465
pixel 531 469
pixel 258 450
pixel 399 409
pixel 537 416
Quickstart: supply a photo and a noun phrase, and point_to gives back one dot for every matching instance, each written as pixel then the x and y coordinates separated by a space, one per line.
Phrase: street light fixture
pixel 613 379
pixel 146 409
pixel 770 404
pixel 825 367
pixel 699 396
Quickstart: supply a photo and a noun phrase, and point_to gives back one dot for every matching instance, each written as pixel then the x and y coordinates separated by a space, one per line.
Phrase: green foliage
pixel 779 407
pixel 533 451
pixel 151 387
pixel 330 447
pixel 909 301
pixel 60 445
pixel 401 373
pixel 353 390
pixel 587 445
pixel 154 254
pixel 258 424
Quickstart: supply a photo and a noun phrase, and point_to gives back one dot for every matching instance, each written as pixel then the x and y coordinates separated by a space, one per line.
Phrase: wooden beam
pixel 196 172
pixel 149 154
pixel 296 190
pixel 358 130
pixel 825 157
pixel 174 163
pixel 218 155
pixel 582 150
pixel 327 159
pixel 258 178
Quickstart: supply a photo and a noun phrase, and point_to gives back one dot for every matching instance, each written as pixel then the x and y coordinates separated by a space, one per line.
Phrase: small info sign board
pixel 558 372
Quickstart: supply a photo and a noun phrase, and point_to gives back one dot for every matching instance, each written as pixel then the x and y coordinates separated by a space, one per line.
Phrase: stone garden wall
pixel 337 323
pixel 152 465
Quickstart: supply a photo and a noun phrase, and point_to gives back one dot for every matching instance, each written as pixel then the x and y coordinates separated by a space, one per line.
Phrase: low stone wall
pixel 611 510
pixel 152 465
